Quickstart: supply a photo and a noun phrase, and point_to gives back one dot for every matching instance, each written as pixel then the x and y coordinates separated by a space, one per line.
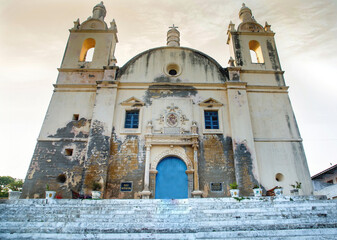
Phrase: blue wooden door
pixel 171 180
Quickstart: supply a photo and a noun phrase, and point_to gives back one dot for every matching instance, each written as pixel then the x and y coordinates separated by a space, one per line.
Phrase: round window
pixel 279 177
pixel 172 70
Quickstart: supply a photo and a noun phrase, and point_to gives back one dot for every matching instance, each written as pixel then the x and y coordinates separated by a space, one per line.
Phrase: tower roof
pixel 99 11
pixel 248 22
pixel 245 14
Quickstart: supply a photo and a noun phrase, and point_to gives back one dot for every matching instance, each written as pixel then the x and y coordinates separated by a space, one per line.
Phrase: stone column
pixel 146 192
pixel 190 174
pixel 153 176
pixel 196 193
pixel 245 162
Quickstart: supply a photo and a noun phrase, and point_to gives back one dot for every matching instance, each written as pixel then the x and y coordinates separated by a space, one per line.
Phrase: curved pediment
pixel 250 27
pixel 93 24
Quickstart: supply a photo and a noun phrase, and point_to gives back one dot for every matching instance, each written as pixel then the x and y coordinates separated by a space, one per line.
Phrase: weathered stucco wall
pixel 59 117
pixel 272 116
pixel 50 166
pixel 126 164
pixel 216 164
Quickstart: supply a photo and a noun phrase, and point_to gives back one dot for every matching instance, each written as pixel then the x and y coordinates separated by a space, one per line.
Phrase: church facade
pixel 171 122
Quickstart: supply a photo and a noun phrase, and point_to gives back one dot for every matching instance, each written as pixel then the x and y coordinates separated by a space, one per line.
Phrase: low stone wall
pixel 330 192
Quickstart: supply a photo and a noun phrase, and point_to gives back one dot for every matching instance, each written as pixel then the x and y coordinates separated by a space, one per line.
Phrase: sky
pixel 33 36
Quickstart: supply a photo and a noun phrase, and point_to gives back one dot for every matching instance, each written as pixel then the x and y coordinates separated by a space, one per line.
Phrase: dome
pixel 172 65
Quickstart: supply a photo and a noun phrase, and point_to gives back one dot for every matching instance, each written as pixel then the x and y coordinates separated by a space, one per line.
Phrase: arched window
pixel 255 52
pixel 87 51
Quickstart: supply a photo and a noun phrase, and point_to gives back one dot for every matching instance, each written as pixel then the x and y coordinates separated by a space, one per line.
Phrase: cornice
pixel 80 69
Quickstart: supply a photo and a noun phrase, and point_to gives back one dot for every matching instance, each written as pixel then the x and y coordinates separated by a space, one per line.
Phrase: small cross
pixel 173 27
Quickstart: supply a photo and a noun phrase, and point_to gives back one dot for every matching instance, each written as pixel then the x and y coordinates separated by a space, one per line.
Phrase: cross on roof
pixel 173 27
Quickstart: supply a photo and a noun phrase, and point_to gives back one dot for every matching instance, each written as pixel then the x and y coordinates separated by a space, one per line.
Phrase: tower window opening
pixel 88 49
pixel 89 55
pixel 253 56
pixel 256 52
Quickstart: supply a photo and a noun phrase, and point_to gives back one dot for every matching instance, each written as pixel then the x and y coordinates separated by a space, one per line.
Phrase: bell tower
pixel 91 45
pixel 253 47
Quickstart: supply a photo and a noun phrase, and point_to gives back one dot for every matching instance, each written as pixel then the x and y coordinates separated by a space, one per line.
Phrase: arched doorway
pixel 171 179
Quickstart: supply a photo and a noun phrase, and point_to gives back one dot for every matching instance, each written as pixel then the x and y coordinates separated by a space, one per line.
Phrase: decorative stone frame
pixel 211 104
pixel 174 147
pixel 174 66
pixel 179 153
pixel 175 153
pixel 128 105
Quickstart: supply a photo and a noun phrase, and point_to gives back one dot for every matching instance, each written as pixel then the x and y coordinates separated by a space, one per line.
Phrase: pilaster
pixel 146 192
pixel 98 147
pixel 246 167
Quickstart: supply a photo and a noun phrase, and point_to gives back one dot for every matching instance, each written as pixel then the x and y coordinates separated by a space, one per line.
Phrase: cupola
pixel 99 11
pixel 173 37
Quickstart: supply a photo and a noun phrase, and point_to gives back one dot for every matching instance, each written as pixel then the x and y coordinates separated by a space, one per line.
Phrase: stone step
pixel 264 218
pixel 132 210
pixel 302 234
pixel 164 207
pixel 167 217
pixel 207 226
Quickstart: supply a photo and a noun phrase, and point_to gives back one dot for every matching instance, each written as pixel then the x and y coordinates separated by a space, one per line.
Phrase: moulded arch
pixel 88 43
pixel 256 48
pixel 172 153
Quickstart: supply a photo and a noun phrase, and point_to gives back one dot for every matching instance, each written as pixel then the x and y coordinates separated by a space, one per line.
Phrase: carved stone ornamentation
pixel 180 153
pixel 172 117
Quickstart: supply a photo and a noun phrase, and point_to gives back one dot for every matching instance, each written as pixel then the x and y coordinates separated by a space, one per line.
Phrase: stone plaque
pixel 171 130
pixel 126 186
pixel 216 187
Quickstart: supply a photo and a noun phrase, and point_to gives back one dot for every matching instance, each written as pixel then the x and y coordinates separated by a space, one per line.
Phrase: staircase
pixel 285 217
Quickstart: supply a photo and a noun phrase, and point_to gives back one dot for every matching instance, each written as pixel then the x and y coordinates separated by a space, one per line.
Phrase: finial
pixel 267 27
pixel 173 27
pixel 76 24
pixel 245 14
pixel 113 25
pixel 173 37
pixel 231 62
pixel 231 26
